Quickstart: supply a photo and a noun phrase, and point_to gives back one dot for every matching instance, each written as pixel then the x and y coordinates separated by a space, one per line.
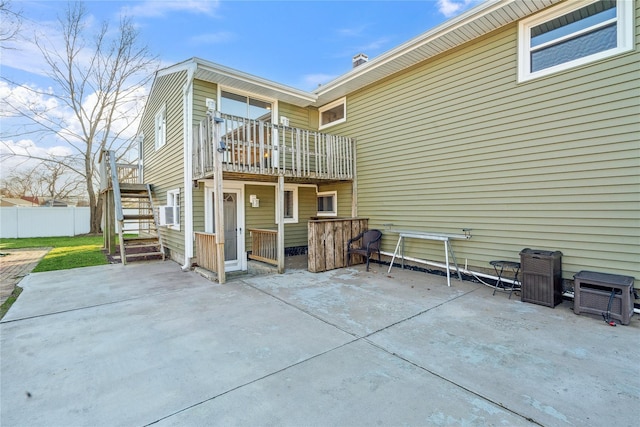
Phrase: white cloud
pixel 155 8
pixel 26 97
pixel 212 38
pixel 21 155
pixel 450 8
pixel 312 81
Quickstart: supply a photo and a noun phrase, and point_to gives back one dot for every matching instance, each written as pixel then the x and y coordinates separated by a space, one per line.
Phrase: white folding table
pixel 442 237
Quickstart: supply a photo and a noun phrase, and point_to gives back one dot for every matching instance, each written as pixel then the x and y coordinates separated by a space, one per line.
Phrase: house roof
pixel 225 76
pixel 482 19
pixel 11 201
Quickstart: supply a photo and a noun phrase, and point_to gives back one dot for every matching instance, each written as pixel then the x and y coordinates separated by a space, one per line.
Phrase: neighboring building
pixel 18 202
pixel 518 120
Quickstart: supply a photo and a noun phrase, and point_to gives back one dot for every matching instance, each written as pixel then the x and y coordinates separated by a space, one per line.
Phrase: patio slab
pixel 148 344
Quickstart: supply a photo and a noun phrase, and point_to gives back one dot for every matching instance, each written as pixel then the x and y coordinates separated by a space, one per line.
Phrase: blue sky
pixel 297 43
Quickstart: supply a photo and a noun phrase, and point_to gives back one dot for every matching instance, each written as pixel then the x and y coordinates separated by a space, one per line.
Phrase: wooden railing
pixel 264 245
pixel 206 251
pixel 259 147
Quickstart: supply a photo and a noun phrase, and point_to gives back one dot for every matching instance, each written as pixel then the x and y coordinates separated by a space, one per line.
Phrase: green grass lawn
pixel 67 252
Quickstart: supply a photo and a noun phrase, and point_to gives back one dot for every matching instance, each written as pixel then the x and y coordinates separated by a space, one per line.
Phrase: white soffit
pixel 474 23
pixel 208 71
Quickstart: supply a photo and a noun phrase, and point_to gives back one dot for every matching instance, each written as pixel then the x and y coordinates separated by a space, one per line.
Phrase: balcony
pixel 260 148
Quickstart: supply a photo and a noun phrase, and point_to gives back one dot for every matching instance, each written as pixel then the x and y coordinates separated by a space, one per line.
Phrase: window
pixel 328 203
pixel 290 205
pixel 161 127
pixel 173 201
pixel 573 34
pixel 333 113
pixel 245 106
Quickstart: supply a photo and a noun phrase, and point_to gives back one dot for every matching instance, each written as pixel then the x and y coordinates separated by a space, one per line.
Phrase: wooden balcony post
pixel 218 200
pixel 281 224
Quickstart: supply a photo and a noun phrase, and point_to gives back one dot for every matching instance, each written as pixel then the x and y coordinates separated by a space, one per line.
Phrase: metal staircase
pixel 130 205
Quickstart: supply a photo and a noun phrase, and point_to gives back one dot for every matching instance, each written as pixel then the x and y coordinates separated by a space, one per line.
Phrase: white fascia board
pixel 288 91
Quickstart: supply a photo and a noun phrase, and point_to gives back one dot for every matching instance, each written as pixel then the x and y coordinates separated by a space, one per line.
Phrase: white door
pixel 234 255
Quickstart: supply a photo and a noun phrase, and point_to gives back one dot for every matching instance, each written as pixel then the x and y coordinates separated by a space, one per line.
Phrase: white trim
pixel 333 193
pixel 342 101
pixel 624 43
pixel 228 187
pixel 294 189
pixel 272 101
pixel 173 196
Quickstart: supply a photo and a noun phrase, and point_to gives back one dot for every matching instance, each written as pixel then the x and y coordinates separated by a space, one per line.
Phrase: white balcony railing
pixel 263 148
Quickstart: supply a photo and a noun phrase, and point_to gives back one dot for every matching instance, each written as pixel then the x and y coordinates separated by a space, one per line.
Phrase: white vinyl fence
pixel 18 222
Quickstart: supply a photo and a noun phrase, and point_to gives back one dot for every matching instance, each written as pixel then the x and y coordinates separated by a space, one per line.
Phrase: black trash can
pixel 541 273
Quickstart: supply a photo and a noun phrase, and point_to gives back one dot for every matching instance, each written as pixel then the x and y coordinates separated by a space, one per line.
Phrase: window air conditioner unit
pixel 167 215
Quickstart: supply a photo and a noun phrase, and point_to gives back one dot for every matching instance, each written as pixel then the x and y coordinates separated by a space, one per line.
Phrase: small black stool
pixel 506 265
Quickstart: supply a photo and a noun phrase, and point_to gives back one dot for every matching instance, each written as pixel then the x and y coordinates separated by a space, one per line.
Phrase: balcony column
pixel 281 224
pixel 218 197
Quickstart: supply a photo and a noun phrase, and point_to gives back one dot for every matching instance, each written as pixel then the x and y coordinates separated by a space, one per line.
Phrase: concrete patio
pixel 148 344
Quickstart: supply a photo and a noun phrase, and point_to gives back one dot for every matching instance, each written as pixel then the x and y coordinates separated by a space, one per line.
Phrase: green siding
pixel 163 169
pixel 552 163
pixel 345 196
pixel 265 215
pixel 299 117
pixel 201 91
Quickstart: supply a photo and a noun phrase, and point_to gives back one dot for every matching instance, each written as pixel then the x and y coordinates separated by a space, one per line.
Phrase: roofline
pixel 452 24
pixel 259 81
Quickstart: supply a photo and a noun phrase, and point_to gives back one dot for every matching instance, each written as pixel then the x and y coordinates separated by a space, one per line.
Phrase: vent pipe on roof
pixel 359 59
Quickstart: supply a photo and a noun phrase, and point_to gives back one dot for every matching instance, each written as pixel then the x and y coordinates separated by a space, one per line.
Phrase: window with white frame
pixel 327 203
pixel 245 106
pixel 573 34
pixel 161 127
pixel 333 113
pixel 173 201
pixel 290 205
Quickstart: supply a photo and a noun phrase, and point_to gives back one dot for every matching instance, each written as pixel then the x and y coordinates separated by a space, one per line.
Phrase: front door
pixel 230 210
pixel 233 213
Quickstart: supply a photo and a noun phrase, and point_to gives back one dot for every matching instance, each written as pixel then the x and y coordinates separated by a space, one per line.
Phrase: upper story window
pixel 245 106
pixel 333 113
pixel 161 127
pixel 573 34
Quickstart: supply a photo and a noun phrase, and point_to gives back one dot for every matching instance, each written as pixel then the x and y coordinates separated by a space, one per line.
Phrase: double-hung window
pixel 161 127
pixel 573 34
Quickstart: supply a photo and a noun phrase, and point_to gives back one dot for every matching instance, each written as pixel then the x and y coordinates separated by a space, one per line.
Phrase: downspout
pixel 187 110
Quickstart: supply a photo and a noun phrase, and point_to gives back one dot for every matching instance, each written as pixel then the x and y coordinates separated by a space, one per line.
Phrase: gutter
pixel 187 117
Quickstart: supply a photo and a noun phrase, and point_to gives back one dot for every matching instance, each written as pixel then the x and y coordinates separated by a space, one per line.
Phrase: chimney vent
pixel 359 59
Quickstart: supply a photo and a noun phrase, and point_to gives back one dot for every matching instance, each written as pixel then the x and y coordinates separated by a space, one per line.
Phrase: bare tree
pixel 11 22
pixel 48 180
pixel 96 92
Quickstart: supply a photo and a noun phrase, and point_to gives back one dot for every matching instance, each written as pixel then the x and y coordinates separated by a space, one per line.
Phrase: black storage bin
pixel 541 273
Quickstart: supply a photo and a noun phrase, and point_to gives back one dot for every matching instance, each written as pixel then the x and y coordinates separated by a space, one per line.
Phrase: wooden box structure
pixel 328 242
pixel 602 293
pixel 541 273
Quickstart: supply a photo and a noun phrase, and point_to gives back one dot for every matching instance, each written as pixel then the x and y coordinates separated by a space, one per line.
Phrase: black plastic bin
pixel 541 273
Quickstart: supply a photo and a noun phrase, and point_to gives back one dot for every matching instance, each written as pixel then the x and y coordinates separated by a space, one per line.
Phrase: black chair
pixel 369 243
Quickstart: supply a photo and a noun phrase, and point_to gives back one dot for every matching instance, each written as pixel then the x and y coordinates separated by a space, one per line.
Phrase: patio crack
pixel 455 384
pixel 366 339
